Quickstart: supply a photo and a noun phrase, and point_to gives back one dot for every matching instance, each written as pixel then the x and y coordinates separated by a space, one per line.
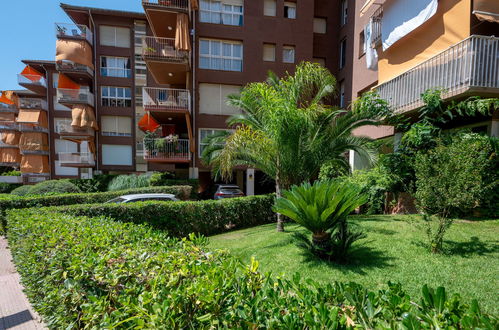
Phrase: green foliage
pixel 123 182
pixel 98 183
pixel 168 179
pixel 21 191
pixel 182 218
pixel 11 173
pixel 6 188
pixel 323 208
pixel 333 170
pixel 49 187
pixel 96 273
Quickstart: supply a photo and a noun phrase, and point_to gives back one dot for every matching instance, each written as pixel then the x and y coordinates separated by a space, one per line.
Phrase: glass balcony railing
pixel 74 31
pixel 80 159
pixel 75 96
pixel 32 128
pixel 166 99
pixel 8 126
pixel 8 108
pixel 67 66
pixel 32 80
pixel 28 103
pixel 64 128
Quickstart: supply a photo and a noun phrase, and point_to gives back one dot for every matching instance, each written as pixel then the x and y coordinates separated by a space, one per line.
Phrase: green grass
pixel 393 250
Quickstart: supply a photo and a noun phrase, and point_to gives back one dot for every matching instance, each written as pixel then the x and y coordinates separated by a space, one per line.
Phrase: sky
pixel 27 31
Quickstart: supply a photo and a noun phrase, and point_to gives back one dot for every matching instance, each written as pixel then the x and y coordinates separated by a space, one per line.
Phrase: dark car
pixel 227 191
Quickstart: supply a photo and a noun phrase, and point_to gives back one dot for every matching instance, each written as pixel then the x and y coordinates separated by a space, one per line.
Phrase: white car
pixel 143 198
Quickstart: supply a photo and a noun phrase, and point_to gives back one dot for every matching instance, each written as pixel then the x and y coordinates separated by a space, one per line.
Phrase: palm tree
pixel 287 130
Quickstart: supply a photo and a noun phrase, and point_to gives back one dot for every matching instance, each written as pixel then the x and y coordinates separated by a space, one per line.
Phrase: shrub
pixel 98 183
pixel 95 273
pixel 6 188
pixel 22 190
pixel 122 182
pixel 11 173
pixel 53 187
pixel 182 192
pixel 322 208
pixel 182 218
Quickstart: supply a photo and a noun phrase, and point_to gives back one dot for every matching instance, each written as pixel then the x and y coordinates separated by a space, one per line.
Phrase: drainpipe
pixel 95 88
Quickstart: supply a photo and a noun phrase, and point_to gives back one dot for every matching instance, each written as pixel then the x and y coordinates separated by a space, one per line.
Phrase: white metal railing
pixel 70 66
pixel 376 18
pixel 170 4
pixel 166 99
pixel 116 72
pixel 32 128
pixel 9 126
pixel 65 128
pixel 31 79
pixel 75 96
pixel 28 103
pixel 8 108
pixel 163 49
pixel 165 150
pixel 77 158
pixel 471 63
pixel 73 31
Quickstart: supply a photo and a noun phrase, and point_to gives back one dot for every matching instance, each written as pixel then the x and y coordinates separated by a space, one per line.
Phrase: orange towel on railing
pixel 34 141
pixel 32 74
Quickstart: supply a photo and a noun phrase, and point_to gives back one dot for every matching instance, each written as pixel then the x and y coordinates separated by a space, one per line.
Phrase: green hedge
pixel 182 192
pixel 96 273
pixel 182 218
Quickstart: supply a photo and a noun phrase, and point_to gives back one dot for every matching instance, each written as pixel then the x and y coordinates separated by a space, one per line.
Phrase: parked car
pixel 143 198
pixel 227 191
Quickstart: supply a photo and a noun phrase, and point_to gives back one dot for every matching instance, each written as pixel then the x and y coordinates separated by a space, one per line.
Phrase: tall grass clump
pixel 124 182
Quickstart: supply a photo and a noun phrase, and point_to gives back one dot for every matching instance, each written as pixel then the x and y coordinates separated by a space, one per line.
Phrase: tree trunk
pixel 280 217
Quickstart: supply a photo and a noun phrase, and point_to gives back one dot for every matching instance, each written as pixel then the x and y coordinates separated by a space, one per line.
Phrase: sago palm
pixel 287 130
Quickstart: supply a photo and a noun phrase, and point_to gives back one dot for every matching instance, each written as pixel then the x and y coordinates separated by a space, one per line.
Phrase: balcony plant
pixel 150 143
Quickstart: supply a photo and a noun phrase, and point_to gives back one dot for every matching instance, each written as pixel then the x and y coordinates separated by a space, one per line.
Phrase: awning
pixel 78 51
pixel 368 4
pixel 148 124
pixel 10 156
pixel 29 116
pixel 34 141
pixel 83 116
pixel 31 74
pixel 194 4
pixel 10 138
pixel 486 10
pixel 8 97
pixel 35 164
pixel 7 116
pixel 65 83
pixel 182 38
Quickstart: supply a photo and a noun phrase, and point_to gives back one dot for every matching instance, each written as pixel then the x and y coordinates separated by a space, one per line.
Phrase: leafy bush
pixel 182 218
pixel 182 192
pixel 6 188
pixel 98 183
pixel 49 187
pixel 323 208
pixel 96 273
pixel 21 191
pixel 11 173
pixel 123 182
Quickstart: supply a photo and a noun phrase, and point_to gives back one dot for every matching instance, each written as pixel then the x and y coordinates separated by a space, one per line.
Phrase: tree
pixel 287 130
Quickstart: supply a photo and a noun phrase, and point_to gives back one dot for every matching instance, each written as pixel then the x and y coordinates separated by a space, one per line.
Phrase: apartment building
pixel 136 92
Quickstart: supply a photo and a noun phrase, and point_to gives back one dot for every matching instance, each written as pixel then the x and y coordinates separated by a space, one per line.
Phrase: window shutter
pixel 227 90
pixel 107 35
pixel 124 125
pixel 117 155
pixel 269 52
pixel 123 37
pixel 209 95
pixel 320 25
pixel 108 123
pixel 269 7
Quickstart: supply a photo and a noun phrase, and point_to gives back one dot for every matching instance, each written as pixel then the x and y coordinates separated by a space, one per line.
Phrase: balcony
pixel 34 152
pixel 9 108
pixel 166 99
pixel 177 5
pixel 76 159
pixel 33 104
pixel 162 15
pixel 32 128
pixel 470 67
pixel 34 83
pixel 8 126
pixel 163 151
pixel 73 31
pixel 167 64
pixel 65 130
pixel 75 71
pixel 75 96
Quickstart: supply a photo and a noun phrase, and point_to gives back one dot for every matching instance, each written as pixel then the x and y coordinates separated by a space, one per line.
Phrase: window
pixel 269 52
pixel 115 67
pixel 320 25
pixel 342 94
pixel 288 54
pixel 269 8
pixel 221 55
pixel 343 53
pixel 204 133
pixel 64 170
pixel 213 99
pixel 362 44
pixel 116 96
pixel 114 36
pixel 290 10
pixel 319 60
pixel 344 12
pixel 116 126
pixel 55 80
pixel 117 155
pixel 217 12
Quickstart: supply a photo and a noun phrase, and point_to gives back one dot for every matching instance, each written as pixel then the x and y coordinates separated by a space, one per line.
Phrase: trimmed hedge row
pixel 182 218
pixel 84 272
pixel 182 192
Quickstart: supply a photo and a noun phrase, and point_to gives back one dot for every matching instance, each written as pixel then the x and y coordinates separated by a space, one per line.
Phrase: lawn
pixel 393 250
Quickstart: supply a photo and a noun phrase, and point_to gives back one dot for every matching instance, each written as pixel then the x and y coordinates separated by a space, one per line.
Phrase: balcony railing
pixel 471 64
pixel 30 79
pixel 161 150
pixel 32 128
pixel 168 4
pixel 9 146
pixel 75 96
pixel 73 31
pixel 38 104
pixel 72 67
pixel 376 18
pixel 116 72
pixel 64 128
pixel 166 99
pixel 34 152
pixel 8 108
pixel 163 49
pixel 77 158
pixel 8 126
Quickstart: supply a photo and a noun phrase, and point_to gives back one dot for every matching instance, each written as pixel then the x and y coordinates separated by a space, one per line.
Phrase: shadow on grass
pixel 473 247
